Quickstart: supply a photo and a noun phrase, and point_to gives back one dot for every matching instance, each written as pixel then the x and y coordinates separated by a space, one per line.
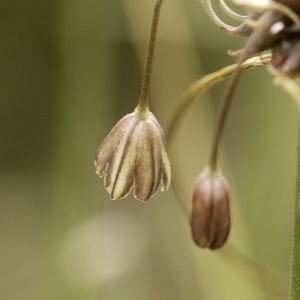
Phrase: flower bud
pixel 210 216
pixel 134 155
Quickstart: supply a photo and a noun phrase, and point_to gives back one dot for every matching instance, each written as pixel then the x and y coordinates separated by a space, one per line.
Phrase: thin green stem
pixel 295 278
pixel 222 117
pixel 251 46
pixel 143 102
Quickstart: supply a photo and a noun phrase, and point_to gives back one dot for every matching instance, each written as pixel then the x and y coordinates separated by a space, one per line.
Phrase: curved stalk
pixel 273 281
pixel 230 12
pixel 202 85
pixel 179 116
pixel 241 30
pixel 251 46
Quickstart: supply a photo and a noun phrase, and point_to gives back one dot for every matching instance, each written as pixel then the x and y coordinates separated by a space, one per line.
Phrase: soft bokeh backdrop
pixel 70 70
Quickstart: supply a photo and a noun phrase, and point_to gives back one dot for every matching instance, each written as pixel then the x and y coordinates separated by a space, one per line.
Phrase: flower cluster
pixel 269 24
pixel 134 154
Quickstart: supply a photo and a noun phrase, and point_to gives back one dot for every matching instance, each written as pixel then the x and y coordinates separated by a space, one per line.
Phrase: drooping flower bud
pixel 210 215
pixel 134 154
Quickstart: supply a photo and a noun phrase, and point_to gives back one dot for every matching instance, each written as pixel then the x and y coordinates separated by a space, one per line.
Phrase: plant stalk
pixel 143 101
pixel 250 48
pixel 295 276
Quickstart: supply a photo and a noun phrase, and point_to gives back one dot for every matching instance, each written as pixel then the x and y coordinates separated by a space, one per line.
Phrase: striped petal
pixel 166 167
pixel 166 170
pixel 109 145
pixel 119 175
pixel 147 164
pixel 157 160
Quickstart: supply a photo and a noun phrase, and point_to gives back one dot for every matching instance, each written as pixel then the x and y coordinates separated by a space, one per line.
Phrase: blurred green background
pixel 69 71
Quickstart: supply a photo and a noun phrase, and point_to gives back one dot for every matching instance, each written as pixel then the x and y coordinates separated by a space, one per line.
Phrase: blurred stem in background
pixel 295 277
pixel 88 61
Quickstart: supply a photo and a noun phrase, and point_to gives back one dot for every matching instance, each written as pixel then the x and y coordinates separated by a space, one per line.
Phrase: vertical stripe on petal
pixel 109 145
pixel 166 167
pixel 119 175
pixel 157 159
pixel 165 170
pixel 144 164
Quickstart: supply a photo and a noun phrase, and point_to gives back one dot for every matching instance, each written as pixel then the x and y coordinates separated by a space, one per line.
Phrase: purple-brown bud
pixel 210 216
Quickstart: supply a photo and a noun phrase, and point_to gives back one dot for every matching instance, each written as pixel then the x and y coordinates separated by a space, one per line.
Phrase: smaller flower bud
pixel 210 216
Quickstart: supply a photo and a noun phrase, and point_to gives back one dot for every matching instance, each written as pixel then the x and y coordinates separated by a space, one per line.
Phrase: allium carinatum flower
pixel 134 155
pixel 210 216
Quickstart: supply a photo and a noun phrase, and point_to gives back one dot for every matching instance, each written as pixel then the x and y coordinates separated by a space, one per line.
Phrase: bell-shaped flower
pixel 210 216
pixel 134 155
